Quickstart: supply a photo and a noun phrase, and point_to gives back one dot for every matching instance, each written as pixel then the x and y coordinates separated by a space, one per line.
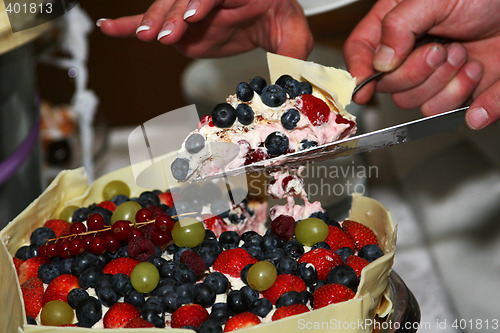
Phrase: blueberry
pixel 306 144
pixel 283 79
pixel 185 292
pixel 276 144
pixel 157 261
pixel 64 265
pixel 209 234
pixel 244 92
pixel 210 326
pixel 121 284
pixel 290 118
pixel 318 284
pixel 236 302
pixel 370 252
pixel 291 86
pixel 136 299
pixel 220 313
pixel 254 250
pixel 209 254
pixel 305 88
pixel 154 303
pixel 229 239
pixel 150 198
pixel 48 272
pixel 249 295
pixel 274 255
pixel 344 253
pixel 244 273
pixel 305 297
pixel 31 320
pixel 180 168
pixel 261 307
pixel 158 320
pixel 80 214
pixel 194 143
pixel 161 290
pixel 293 248
pixel 257 84
pixel 119 199
pixel 218 282
pixel 203 295
pixel 286 265
pixel 223 115
pixel 40 236
pixel 321 245
pixel 344 275
pixel 273 95
pixel 289 298
pixel 251 238
pixel 81 262
pixel 270 242
pixel 321 215
pixel 107 295
pixel 236 218
pixel 88 312
pixel 244 113
pixel 308 273
pixel 106 280
pixel 184 274
pixel 172 301
pixel 220 207
pixel 25 252
pixel 75 296
pixel 89 277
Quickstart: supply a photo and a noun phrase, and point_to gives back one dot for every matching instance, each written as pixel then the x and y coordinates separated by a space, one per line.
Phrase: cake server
pixel 386 137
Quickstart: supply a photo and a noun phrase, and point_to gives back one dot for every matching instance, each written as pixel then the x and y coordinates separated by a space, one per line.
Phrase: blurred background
pixel 70 96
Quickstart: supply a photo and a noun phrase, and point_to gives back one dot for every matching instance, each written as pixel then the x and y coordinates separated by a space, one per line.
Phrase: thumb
pixel 485 110
pixel 401 27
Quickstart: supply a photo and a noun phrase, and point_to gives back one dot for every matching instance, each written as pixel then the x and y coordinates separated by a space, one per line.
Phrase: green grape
pixel 126 211
pixel 144 277
pixel 262 275
pixel 188 232
pixel 311 231
pixel 67 213
pixel 56 313
pixel 114 188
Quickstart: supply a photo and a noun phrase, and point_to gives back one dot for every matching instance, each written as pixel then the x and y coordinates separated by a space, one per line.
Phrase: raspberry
pixel 283 226
pixel 194 261
pixel 316 110
pixel 141 249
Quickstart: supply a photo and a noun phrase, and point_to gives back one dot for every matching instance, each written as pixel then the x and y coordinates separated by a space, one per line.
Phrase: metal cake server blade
pixel 386 137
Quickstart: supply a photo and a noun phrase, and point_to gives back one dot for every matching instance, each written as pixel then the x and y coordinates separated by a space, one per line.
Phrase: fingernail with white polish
pixel 477 118
pixel 191 8
pixel 166 30
pixel 189 13
pixel 99 21
pixel 145 26
pixel 382 60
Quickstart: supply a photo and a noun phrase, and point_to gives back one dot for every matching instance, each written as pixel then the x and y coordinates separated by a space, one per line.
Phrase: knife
pixel 386 137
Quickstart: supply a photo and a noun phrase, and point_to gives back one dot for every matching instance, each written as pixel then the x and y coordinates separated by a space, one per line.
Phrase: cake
pixel 71 188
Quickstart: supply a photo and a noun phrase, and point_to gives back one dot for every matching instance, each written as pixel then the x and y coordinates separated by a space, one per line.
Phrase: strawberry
pixel 283 284
pixel 17 263
pixel 119 314
pixel 189 315
pixel 337 239
pixel 232 261
pixel 138 322
pixel 107 204
pixel 59 288
pixel 32 295
pixel 316 110
pixel 215 223
pixel 241 320
pixel 123 265
pixel 290 310
pixel 60 227
pixel 166 198
pixel 29 268
pixel 330 294
pixel 323 260
pixel 361 234
pixel 357 263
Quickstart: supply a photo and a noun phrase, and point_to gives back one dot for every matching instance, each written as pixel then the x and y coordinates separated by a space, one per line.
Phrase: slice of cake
pixel 195 278
pixel 302 107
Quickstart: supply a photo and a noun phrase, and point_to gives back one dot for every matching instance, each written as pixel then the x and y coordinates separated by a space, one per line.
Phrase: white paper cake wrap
pixel 71 187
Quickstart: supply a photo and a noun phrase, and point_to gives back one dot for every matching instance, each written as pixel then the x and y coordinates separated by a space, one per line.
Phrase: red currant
pixel 144 215
pixel 63 249
pixel 136 233
pixel 160 238
pixel 121 230
pixel 77 228
pixel 97 245
pixel 164 223
pixel 112 243
pixel 77 246
pixel 95 222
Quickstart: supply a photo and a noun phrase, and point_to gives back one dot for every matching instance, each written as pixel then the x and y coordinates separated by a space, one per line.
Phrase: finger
pixel 457 92
pixel 401 27
pixel 197 10
pixel 457 56
pixel 485 110
pixel 120 27
pixel 415 70
pixel 153 20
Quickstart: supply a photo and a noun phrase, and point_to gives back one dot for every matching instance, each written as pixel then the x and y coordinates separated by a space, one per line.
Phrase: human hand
pixel 216 28
pixel 435 77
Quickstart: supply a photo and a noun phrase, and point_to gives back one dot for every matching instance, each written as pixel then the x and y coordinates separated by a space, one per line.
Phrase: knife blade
pixel 382 138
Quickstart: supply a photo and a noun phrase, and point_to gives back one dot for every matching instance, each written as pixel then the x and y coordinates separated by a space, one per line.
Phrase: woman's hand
pixel 215 28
